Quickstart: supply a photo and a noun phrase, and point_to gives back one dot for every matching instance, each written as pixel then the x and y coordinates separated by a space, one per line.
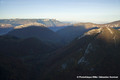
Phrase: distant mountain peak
pixel 86 25
pixel 28 25
pixel 5 26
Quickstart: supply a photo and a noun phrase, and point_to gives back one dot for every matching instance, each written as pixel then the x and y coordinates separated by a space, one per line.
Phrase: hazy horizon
pixel 95 11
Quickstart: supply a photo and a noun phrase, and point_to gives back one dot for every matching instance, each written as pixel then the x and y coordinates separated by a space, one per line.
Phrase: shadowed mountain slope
pixel 44 34
pixel 71 32
pixel 13 46
pixel 97 52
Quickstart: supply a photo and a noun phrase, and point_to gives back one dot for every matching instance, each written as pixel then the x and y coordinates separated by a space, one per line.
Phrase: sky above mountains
pixel 99 11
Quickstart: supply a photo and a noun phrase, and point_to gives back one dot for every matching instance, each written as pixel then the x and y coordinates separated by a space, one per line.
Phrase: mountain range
pixel 71 32
pixel 30 50
pixel 41 32
pixel 7 25
pixel 5 28
pixel 13 46
pixel 96 52
pixel 47 22
pixel 17 57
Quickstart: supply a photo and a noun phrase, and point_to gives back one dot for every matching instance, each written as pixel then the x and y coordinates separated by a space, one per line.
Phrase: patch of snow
pixel 82 60
pixel 81 36
pixel 114 39
pixel 88 48
pixel 110 30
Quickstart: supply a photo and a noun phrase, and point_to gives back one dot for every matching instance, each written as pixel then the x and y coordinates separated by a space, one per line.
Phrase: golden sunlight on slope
pixel 27 25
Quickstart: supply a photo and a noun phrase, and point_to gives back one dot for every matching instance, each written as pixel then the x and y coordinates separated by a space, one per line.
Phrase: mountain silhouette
pixel 18 56
pixel 13 46
pixel 40 32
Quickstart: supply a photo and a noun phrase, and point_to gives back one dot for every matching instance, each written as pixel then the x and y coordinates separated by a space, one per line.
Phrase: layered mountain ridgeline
pixel 113 24
pixel 54 23
pixel 41 32
pixel 96 52
pixel 13 46
pixel 50 23
pixel 90 25
pixel 5 28
pixel 33 46
pixel 47 22
pixel 71 32
pixel 5 25
pixel 27 25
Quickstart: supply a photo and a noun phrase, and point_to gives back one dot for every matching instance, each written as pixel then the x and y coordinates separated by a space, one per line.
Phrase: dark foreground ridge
pixel 96 52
